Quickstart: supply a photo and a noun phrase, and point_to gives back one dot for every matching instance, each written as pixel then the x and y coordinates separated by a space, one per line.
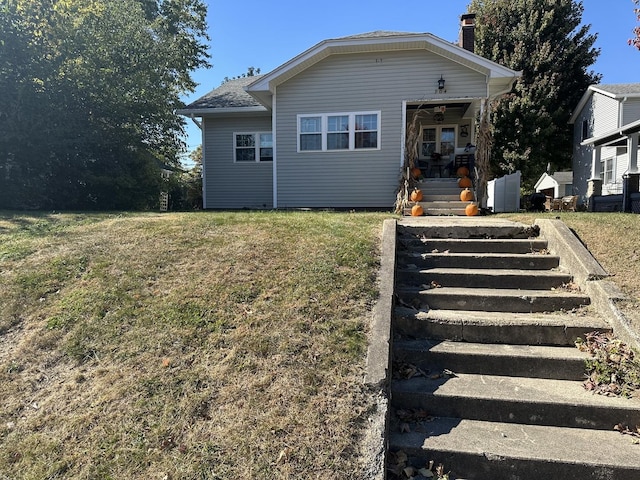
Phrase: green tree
pixel 635 41
pixel 93 86
pixel 545 39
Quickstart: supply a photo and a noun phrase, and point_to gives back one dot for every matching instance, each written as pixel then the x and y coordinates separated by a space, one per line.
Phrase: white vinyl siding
pixel 365 82
pixel 605 114
pixel 338 131
pixel 631 111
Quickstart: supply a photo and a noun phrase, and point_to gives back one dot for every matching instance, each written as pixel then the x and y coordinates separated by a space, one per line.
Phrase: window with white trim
pixel 608 170
pixel 253 147
pixel 438 139
pixel 339 131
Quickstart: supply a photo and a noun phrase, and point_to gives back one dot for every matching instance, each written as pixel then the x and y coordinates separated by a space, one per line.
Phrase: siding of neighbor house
pixel 229 184
pixel 630 111
pixel 605 113
pixel 602 115
pixel 356 83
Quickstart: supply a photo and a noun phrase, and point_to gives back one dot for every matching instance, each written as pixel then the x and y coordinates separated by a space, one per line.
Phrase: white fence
pixel 503 194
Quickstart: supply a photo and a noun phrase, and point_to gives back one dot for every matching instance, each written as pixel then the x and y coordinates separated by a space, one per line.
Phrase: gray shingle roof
pixel 378 34
pixel 230 94
pixel 563 177
pixel 620 88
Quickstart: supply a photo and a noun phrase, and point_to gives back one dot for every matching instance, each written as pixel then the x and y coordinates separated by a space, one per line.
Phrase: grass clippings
pixel 185 346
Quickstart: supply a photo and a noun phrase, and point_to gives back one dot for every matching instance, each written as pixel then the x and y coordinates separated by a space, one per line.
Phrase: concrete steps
pixel 536 361
pixel 440 197
pixel 520 452
pixel 485 321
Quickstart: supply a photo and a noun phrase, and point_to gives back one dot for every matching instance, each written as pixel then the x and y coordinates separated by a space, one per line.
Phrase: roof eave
pixel 613 136
pixel 199 112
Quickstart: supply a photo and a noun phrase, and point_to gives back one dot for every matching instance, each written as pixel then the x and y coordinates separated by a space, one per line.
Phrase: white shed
pixel 558 185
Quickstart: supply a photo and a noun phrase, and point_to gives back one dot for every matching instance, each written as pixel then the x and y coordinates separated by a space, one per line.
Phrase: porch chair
pixel 569 203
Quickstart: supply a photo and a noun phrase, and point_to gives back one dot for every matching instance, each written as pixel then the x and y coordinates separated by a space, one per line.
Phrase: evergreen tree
pixel 545 39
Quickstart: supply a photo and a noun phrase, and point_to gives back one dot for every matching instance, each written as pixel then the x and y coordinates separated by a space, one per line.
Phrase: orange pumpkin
pixel 416 195
pixel 416 172
pixel 471 210
pixel 462 172
pixel 466 195
pixel 417 210
pixel 465 182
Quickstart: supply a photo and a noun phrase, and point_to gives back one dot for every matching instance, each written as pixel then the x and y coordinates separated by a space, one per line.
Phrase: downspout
pixel 275 149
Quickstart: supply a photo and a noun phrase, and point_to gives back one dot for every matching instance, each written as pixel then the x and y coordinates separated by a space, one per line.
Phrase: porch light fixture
pixel 441 83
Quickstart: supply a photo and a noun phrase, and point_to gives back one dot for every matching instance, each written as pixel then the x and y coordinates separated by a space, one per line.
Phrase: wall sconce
pixel 441 84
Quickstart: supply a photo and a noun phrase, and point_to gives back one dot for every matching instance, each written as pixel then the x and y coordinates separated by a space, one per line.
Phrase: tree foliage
pixel 90 89
pixel 545 39
pixel 635 41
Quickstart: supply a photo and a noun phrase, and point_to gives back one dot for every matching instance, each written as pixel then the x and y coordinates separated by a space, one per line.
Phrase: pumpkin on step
pixel 466 195
pixel 417 210
pixel 416 172
pixel 465 182
pixel 462 172
pixel 471 210
pixel 416 195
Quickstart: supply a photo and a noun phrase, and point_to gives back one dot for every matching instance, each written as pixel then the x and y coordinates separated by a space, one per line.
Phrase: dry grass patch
pixel 209 345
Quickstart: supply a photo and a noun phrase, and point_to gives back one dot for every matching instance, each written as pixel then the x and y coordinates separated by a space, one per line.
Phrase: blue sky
pixel 266 34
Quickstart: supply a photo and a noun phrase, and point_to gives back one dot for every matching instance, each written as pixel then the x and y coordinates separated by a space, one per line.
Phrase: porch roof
pixel 617 137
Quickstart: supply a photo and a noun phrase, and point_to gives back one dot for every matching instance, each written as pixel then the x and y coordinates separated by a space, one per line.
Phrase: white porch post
pixel 594 184
pixel 632 151
pixel 596 166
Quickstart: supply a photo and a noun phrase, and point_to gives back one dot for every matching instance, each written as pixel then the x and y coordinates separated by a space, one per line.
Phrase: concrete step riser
pixel 510 411
pixel 480 466
pixel 471 246
pixel 554 368
pixel 469 261
pixel 471 231
pixel 561 334
pixel 528 280
pixel 439 299
pixel 441 197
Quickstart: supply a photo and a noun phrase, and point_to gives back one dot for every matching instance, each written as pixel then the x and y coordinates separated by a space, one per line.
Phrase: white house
pixel 327 128
pixel 605 145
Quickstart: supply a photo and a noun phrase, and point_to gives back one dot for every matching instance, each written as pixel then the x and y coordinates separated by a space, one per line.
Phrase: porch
pixel 442 134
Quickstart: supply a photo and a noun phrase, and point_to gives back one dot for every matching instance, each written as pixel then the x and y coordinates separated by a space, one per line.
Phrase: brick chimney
pixel 467 31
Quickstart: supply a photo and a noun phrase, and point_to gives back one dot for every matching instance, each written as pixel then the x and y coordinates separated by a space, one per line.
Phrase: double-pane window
pixel 253 147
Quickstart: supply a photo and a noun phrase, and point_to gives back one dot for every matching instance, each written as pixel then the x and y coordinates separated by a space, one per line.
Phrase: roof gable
pixel 617 91
pixel 252 94
pixel 378 41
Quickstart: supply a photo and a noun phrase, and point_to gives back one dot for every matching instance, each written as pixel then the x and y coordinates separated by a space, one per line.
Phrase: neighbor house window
pixel 253 147
pixel 585 130
pixel 609 170
pixel 338 131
